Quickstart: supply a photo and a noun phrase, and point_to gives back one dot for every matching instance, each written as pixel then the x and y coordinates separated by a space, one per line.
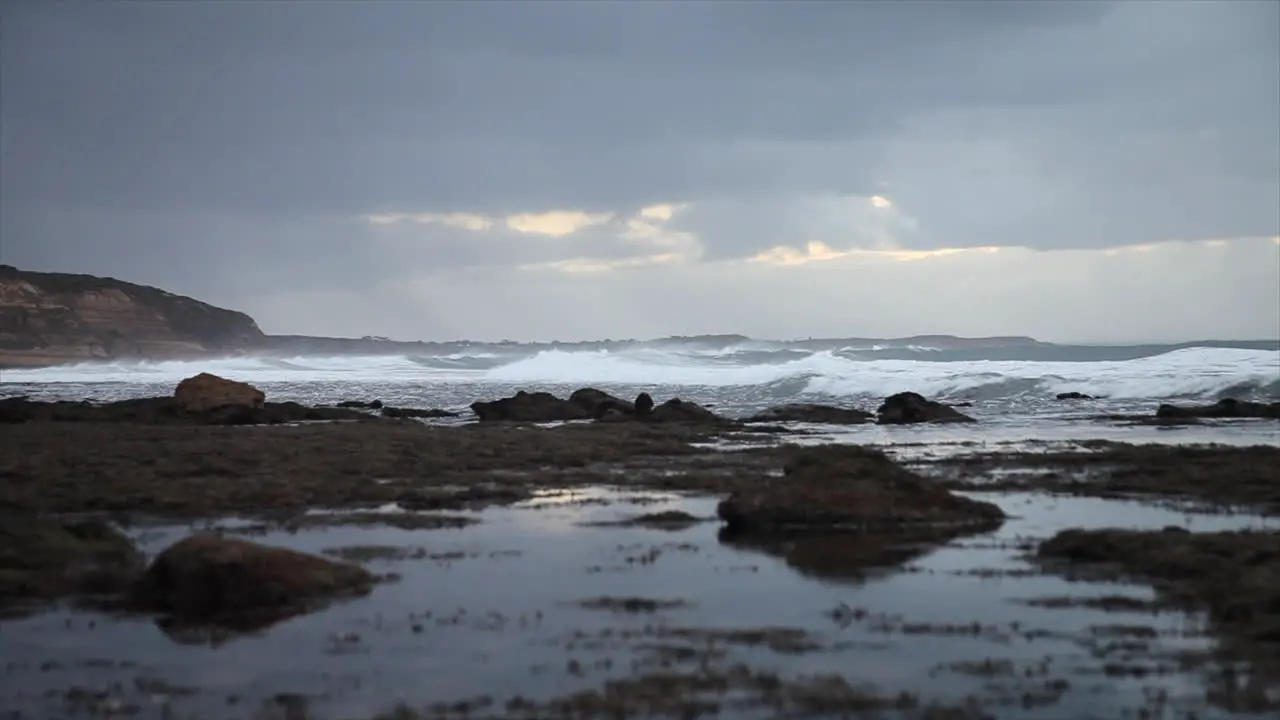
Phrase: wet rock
pixel 598 402
pixel 1074 396
pixel 849 487
pixel 804 412
pixel 1225 408
pixel 530 407
pixel 370 405
pixel 208 578
pixel 908 408
pixel 583 404
pixel 207 391
pixel 644 403
pixel 395 412
pixel 681 411
pixel 43 557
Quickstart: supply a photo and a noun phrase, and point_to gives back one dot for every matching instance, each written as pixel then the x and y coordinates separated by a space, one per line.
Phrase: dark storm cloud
pixel 232 144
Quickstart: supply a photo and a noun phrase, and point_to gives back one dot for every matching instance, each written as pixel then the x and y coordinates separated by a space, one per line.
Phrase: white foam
pixel 1182 373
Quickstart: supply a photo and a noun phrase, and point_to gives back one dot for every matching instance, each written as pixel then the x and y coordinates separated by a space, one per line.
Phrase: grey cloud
pixel 227 147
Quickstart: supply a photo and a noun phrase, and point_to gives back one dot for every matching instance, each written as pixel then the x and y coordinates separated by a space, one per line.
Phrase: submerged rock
pixel 48 558
pixel 220 580
pixel 850 487
pixel 804 412
pixel 206 391
pixel 908 408
pixel 1225 408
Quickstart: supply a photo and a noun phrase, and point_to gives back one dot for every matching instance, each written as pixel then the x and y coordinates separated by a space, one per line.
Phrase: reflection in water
pixel 850 554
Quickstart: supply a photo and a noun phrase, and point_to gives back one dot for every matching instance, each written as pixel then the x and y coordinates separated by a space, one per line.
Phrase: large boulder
pixel 1225 408
pixel 206 391
pixel 47 558
pixel 908 408
pixel 849 487
pixel 804 412
pixel 209 578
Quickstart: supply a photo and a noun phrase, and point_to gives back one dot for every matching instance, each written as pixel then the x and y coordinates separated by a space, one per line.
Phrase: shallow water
pixel 490 610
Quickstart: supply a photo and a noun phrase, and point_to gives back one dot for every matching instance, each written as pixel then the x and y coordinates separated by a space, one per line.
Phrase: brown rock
pixel 851 487
pixel 909 408
pixel 802 412
pixel 211 578
pixel 205 392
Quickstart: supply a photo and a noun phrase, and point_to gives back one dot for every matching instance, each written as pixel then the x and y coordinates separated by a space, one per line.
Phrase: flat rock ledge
pixel 851 488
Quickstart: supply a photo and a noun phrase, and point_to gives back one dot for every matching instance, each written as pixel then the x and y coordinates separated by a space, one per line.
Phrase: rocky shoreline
pixel 76 479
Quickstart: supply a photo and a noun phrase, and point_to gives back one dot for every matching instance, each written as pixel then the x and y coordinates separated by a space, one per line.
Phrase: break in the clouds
pixel 263 155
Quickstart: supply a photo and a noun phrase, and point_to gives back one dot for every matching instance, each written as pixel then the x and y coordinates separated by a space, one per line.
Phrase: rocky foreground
pixel 73 475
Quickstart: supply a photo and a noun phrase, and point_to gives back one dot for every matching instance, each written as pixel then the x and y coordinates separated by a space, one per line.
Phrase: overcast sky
pixel 1076 171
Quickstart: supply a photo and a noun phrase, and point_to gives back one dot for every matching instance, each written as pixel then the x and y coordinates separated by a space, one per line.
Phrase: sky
pixel 1080 171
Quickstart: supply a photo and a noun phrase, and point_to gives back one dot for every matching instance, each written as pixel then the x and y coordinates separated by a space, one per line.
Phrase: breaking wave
pixel 846 372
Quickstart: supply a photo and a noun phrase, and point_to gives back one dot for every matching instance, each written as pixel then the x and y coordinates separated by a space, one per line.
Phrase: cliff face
pixel 52 318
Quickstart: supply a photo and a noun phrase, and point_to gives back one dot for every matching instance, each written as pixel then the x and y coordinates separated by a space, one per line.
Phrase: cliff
pixel 53 318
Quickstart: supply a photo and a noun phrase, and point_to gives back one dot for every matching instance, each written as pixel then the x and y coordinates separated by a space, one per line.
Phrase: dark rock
pixel 208 578
pixel 1074 396
pixel 395 412
pixel 1225 408
pixel 529 407
pixel 598 402
pixel 370 405
pixel 851 487
pixel 643 403
pixel 801 412
pixel 908 408
pixel 681 411
pixel 47 558
pixel 583 404
pixel 164 411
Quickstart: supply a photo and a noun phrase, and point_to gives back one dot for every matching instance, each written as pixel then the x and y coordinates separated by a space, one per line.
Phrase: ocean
pixel 1011 390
